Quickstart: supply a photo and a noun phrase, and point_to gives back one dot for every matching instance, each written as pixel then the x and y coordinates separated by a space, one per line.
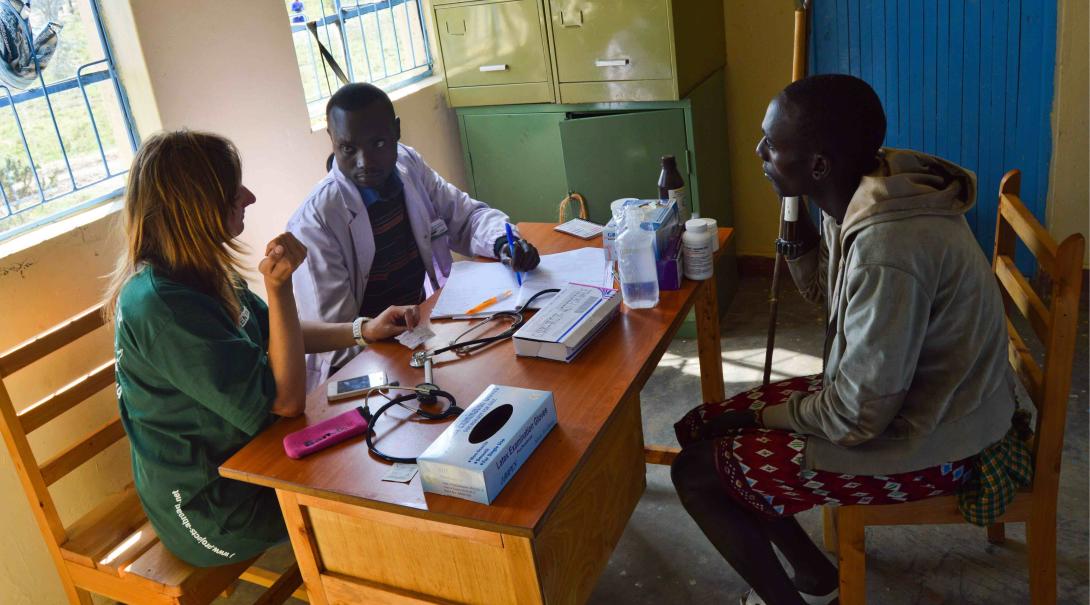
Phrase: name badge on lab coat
pixel 438 229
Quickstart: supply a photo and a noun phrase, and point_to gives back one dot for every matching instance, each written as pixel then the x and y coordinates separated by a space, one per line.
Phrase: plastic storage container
pixel 636 264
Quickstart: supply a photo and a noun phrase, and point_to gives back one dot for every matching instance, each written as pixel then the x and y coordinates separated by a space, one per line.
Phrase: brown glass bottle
pixel 669 178
pixel 672 186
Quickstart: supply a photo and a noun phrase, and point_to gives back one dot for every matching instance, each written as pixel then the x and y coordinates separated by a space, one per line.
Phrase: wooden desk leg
pixel 302 544
pixel 711 362
pixel 707 341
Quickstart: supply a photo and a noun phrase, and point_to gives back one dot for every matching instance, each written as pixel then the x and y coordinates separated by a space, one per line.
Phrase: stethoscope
pixel 423 359
pixel 427 392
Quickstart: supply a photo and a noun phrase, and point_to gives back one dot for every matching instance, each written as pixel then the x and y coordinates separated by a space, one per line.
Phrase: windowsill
pixel 397 94
pixel 60 227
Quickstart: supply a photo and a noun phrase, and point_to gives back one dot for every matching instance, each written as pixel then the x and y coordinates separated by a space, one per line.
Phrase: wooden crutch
pixel 789 209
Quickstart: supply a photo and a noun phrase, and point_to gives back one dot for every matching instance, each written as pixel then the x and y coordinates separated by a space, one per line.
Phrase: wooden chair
pixel 1047 385
pixel 112 550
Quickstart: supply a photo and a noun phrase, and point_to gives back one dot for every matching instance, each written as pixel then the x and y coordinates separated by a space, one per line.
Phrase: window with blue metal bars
pixel 383 42
pixel 66 139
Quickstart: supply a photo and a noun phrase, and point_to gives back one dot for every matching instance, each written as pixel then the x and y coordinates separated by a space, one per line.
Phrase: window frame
pixel 10 102
pixel 343 13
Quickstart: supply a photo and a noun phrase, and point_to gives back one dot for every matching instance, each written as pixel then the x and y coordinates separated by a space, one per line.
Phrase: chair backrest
pixel 15 426
pixel 1054 321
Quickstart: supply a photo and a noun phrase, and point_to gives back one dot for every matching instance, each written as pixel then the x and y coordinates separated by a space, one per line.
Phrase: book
pixel 568 322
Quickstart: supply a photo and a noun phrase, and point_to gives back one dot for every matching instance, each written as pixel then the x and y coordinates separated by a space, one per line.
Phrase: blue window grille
pixel 65 142
pixel 383 42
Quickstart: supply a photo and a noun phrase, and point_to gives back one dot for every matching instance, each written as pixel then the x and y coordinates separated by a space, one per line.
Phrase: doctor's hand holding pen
pixel 518 254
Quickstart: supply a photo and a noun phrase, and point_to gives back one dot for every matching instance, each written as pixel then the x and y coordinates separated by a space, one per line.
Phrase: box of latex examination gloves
pixel 659 217
pixel 479 453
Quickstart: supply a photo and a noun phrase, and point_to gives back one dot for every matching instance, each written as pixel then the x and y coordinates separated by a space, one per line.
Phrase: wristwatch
pixel 357 330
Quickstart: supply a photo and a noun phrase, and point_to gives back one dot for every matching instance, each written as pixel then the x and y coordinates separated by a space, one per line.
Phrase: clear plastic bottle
pixel 636 263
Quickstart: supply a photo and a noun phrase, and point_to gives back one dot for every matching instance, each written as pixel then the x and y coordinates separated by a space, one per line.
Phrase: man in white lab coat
pixel 380 228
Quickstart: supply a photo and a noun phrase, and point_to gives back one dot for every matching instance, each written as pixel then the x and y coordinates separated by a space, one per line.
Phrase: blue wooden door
pixel 967 80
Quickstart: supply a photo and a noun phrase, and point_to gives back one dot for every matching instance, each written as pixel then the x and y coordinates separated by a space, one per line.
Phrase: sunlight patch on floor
pixel 747 365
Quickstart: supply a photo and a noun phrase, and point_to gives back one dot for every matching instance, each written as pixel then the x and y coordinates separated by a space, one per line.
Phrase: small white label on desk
pixel 401 473
pixel 580 228
pixel 415 337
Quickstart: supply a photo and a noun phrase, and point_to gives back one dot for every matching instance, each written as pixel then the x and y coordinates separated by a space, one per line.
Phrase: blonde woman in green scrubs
pixel 203 364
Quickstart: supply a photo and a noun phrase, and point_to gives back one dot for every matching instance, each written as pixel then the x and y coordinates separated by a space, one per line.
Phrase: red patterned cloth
pixel 762 468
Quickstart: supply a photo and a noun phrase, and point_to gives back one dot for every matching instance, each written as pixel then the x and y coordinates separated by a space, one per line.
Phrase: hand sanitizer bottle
pixel 636 262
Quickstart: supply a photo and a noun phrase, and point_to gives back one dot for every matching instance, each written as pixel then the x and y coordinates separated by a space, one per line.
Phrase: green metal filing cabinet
pixel 524 159
pixel 498 52
pixel 494 52
pixel 559 96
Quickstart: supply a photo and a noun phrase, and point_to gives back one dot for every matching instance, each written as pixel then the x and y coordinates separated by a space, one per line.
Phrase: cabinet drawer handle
pixel 572 20
pixel 457 29
pixel 500 67
pixel 610 62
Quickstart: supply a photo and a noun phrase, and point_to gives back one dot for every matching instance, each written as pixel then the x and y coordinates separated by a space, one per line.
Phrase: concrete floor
pixel 663 558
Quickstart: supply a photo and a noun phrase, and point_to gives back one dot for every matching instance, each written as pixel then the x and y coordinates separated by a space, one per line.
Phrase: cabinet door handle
pixel 572 20
pixel 498 67
pixel 610 62
pixel 457 29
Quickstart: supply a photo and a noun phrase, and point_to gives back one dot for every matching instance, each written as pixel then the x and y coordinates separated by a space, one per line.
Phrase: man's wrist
pixel 498 245
pixel 358 326
pixel 793 249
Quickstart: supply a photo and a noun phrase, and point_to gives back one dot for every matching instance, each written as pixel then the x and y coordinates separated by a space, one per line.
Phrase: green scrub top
pixel 194 386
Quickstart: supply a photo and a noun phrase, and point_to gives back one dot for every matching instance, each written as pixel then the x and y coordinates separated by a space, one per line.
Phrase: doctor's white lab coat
pixel 334 226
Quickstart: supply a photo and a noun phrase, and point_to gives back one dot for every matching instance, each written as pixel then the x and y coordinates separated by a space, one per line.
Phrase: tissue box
pixel 479 453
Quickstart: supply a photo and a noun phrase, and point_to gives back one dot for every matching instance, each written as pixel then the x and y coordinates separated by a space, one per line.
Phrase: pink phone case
pixel 328 432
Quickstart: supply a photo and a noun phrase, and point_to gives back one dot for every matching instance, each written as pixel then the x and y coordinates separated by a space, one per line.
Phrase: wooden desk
pixel 549 533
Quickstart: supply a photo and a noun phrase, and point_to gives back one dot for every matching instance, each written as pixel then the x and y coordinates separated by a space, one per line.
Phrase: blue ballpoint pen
pixel 511 245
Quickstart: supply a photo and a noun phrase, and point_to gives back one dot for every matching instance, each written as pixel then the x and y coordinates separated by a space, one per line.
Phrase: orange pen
pixel 488 303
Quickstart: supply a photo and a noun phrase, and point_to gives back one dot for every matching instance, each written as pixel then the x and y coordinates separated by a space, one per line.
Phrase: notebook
pixel 471 282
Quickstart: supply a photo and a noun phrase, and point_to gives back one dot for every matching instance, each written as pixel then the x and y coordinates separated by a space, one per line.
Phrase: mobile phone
pixel 351 387
pixel 326 433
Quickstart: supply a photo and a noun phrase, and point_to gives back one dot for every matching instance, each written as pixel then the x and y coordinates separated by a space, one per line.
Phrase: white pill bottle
pixel 696 247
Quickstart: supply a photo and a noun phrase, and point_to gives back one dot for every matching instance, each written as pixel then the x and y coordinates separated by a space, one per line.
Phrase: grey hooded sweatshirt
pixel 916 372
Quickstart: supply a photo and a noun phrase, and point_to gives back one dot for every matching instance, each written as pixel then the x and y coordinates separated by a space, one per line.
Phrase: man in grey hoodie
pixel 916 381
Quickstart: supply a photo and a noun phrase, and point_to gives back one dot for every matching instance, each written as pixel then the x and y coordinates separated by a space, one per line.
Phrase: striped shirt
pixel 397 273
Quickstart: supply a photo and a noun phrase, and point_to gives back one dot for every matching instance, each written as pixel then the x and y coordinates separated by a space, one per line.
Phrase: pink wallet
pixel 328 432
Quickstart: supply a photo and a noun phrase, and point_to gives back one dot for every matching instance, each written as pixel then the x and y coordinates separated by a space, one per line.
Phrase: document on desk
pixel 471 282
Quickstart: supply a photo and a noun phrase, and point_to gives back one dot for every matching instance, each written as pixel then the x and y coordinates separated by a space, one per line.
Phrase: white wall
pixel 227 67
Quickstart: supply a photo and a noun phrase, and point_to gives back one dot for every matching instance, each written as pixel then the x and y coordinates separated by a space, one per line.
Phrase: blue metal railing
pixel 14 203
pixel 357 57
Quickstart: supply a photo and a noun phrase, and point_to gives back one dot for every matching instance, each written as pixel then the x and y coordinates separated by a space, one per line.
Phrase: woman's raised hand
pixel 283 255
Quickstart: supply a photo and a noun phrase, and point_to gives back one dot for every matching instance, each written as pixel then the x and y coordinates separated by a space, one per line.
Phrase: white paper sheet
pixel 580 266
pixel 471 282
